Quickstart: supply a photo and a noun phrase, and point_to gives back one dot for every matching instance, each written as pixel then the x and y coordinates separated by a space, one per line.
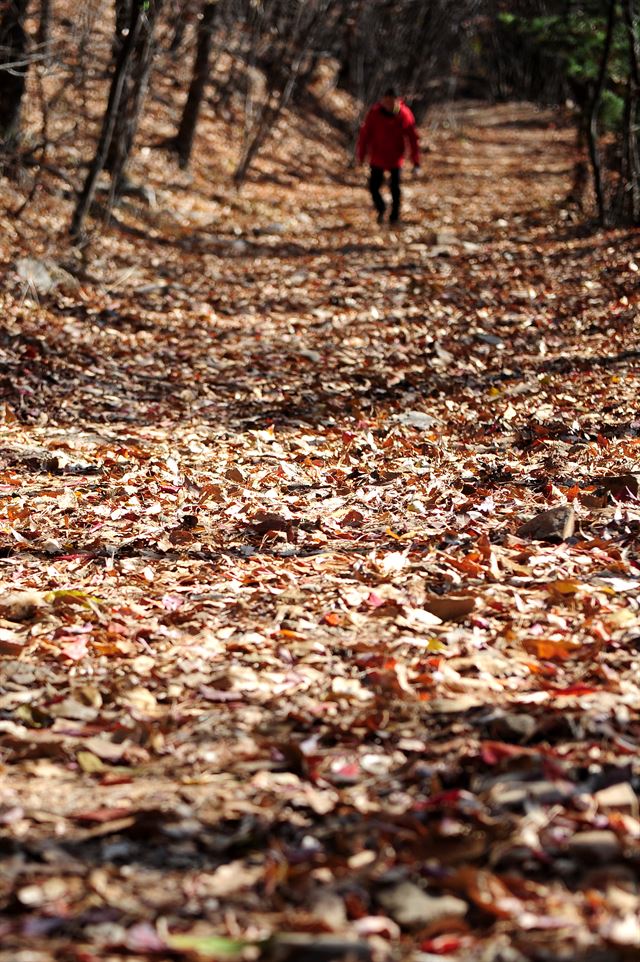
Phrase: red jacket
pixel 383 137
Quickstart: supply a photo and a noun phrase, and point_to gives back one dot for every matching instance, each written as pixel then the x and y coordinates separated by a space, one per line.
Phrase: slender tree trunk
pixel 593 133
pixel 625 177
pixel 13 69
pixel 580 180
pixel 267 119
pixel 145 13
pixel 633 154
pixel 123 17
pixel 44 28
pixel 179 23
pixel 350 26
pixel 187 128
pixel 281 84
pixel 123 67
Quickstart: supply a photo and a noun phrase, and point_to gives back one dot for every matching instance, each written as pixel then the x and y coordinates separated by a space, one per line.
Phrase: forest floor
pixel 282 676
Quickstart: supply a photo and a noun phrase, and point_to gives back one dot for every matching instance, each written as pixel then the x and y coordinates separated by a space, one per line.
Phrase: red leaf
pixel 442 944
pixel 76 649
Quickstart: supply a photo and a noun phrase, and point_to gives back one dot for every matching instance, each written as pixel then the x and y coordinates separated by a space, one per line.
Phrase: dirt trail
pixel 289 667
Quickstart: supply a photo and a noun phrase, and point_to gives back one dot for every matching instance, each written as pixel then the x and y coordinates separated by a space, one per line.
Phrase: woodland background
pixel 248 61
pixel 319 573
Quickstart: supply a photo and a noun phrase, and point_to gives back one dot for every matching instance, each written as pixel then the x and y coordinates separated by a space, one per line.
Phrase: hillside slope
pixel 289 665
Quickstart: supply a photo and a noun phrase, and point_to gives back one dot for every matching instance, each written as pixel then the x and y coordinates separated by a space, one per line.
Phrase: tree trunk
pixel 349 45
pixel 123 17
pixel 145 13
pixel 284 72
pixel 580 180
pixel 122 71
pixel 593 134
pixel 187 128
pixel 13 70
pixel 179 23
pixel 44 29
pixel 631 133
pixel 265 123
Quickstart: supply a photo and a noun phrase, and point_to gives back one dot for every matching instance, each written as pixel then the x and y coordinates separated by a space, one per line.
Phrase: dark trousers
pixel 376 180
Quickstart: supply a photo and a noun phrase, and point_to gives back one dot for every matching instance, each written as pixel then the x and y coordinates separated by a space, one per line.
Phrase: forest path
pixel 289 664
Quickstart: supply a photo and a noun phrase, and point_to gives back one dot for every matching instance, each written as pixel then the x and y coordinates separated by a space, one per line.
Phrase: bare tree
pixel 593 133
pixel 144 17
pixel 135 38
pixel 181 14
pixel 629 189
pixel 183 142
pixel 290 32
pixel 44 28
pixel 122 18
pixel 14 64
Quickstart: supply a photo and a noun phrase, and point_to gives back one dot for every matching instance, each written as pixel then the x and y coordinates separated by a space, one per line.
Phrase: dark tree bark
pixel 116 92
pixel 592 132
pixel 348 52
pixel 123 16
pixel 630 147
pixel 581 96
pixel 145 14
pixel 181 16
pixel 13 69
pixel 44 28
pixel 187 128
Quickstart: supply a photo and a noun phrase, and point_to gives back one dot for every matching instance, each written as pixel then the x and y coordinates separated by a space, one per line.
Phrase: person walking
pixel 387 130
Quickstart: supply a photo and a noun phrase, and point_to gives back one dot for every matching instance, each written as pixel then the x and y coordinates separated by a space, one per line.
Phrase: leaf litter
pixel 296 662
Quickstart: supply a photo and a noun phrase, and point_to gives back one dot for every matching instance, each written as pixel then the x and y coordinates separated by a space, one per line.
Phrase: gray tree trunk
pixel 145 13
pixel 120 75
pixel 592 131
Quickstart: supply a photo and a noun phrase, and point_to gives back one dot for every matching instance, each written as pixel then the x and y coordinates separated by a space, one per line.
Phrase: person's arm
pixel 412 137
pixel 363 139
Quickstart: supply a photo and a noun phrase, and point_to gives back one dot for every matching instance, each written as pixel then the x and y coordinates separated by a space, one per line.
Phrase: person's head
pixel 389 100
